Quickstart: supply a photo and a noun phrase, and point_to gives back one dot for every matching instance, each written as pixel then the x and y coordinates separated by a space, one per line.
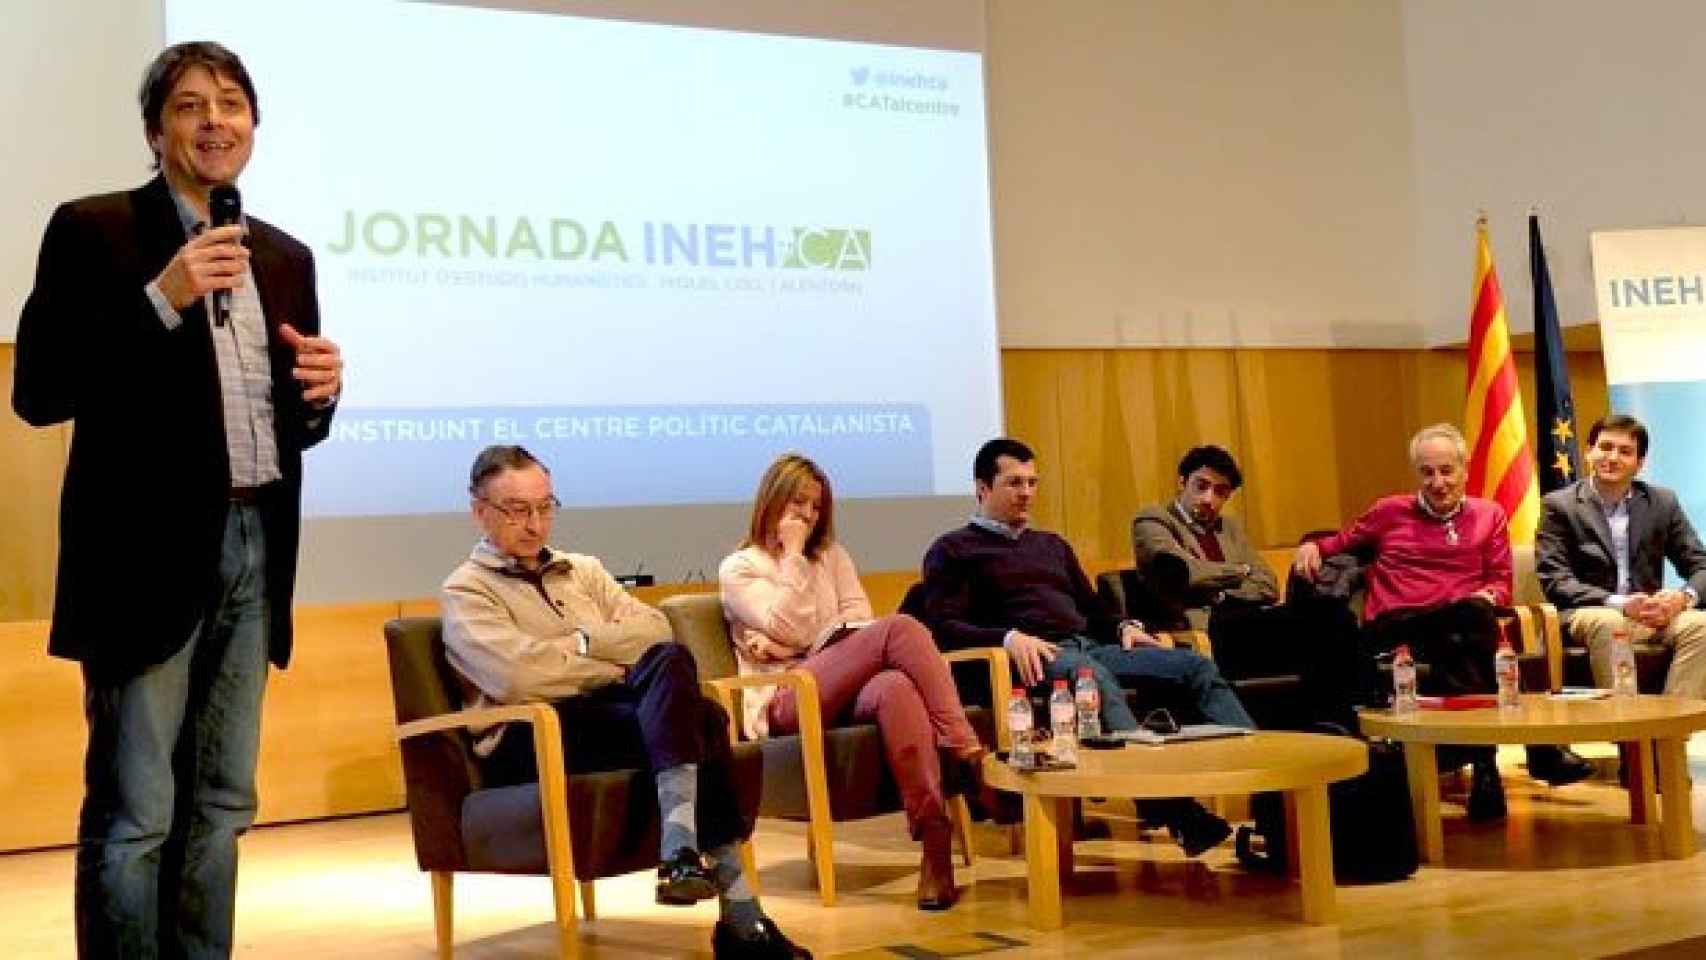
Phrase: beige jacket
pixel 512 637
pixel 1161 529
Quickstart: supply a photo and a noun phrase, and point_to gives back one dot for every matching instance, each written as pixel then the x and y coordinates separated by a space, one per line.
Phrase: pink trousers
pixel 892 673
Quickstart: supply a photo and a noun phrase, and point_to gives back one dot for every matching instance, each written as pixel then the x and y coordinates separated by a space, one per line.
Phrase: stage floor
pixel 1565 876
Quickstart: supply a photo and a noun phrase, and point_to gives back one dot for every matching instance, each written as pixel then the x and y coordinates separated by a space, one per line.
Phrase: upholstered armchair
pixel 822 775
pixel 574 829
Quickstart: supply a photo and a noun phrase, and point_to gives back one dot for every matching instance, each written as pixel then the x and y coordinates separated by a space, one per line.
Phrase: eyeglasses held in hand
pixel 1159 721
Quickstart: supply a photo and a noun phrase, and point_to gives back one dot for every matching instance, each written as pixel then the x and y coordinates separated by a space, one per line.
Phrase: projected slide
pixel 1651 293
pixel 656 256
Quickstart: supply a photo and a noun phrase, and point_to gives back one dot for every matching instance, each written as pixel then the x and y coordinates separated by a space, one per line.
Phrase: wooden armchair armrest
pixel 806 702
pixel 812 763
pixel 1552 635
pixel 1000 681
pixel 539 714
pixel 1526 641
pixel 1197 640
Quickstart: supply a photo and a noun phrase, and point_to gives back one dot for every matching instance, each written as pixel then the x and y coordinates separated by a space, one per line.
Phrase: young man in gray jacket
pixel 1200 565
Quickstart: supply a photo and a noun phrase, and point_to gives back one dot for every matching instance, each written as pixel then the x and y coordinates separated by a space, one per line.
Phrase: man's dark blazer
pixel 142 511
pixel 1574 557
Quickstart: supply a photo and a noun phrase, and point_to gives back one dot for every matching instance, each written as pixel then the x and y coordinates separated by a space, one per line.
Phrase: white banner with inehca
pixel 1651 288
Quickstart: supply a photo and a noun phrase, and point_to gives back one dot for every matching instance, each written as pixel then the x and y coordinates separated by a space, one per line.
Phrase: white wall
pixel 1590 110
pixel 69 72
pixel 1201 173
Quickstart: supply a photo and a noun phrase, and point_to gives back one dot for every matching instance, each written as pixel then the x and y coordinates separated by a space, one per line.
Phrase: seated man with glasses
pixel 526 622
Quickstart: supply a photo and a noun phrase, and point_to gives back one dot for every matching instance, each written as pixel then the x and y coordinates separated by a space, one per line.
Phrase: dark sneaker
pixel 1486 794
pixel 768 944
pixel 1558 766
pixel 1199 830
pixel 685 879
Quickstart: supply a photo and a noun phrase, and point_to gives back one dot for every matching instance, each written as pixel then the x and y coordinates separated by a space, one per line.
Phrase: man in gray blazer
pixel 1199 562
pixel 1600 555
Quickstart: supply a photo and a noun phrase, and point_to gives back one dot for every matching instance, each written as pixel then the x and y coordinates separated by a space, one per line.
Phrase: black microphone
pixel 225 207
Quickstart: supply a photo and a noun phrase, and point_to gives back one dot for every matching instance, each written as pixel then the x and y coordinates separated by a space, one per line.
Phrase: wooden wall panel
pixel 326 741
pixel 327 746
pixel 1320 433
pixel 1031 396
pixel 31 463
pixel 1291 417
pixel 41 725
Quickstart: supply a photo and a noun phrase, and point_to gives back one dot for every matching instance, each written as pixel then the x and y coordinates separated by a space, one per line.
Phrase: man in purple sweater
pixel 997 582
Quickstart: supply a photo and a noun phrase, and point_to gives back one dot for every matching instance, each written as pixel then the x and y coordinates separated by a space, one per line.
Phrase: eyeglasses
pixel 518 512
pixel 1159 721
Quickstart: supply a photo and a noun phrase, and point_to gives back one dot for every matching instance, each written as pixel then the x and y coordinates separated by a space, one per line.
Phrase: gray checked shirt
pixel 245 372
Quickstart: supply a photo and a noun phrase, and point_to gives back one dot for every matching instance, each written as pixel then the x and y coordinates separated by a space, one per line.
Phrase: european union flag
pixel 1556 446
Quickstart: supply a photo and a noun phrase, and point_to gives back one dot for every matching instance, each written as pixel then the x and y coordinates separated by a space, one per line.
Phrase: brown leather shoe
pixel 936 889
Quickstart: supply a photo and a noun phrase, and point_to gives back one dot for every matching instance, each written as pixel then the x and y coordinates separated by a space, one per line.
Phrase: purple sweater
pixel 979 584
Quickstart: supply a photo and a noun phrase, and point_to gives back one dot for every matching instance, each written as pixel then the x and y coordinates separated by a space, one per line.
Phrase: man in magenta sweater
pixel 1441 564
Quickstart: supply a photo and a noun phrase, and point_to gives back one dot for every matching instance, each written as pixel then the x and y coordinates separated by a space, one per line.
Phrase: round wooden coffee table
pixel 1298 764
pixel 1648 724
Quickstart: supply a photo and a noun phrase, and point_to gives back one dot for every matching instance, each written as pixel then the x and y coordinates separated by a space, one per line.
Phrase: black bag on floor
pixel 1374 830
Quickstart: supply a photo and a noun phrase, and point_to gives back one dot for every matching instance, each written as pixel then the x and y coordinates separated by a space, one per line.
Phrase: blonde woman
pixel 793 600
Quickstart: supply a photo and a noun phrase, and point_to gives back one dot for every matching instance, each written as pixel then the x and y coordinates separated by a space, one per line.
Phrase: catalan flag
pixel 1501 462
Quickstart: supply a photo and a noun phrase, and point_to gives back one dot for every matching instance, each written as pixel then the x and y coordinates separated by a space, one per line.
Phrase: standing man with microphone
pixel 188 357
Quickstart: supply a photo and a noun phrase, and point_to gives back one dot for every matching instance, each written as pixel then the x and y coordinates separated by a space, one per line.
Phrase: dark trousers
pixel 1317 640
pixel 655 719
pixel 1456 641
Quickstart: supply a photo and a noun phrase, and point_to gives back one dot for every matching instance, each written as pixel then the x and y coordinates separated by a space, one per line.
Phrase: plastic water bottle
pixel 1063 722
pixel 1019 724
pixel 1403 681
pixel 1505 669
pixel 1622 664
pixel 1088 698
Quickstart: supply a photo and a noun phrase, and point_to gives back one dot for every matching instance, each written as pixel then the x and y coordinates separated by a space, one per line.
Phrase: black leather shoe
pixel 726 944
pixel 1558 766
pixel 1198 831
pixel 1486 794
pixel 685 879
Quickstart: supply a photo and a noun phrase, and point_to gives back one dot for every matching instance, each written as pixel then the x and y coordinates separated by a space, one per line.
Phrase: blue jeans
pixel 1193 679
pixel 170 776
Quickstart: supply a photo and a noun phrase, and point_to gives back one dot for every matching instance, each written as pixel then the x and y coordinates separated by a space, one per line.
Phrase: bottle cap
pixel 1402 651
pixel 1018 691
pixel 1060 683
pixel 1505 644
pixel 1086 672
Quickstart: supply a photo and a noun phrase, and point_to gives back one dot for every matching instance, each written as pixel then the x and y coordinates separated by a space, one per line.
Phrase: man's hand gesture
pixel 1029 654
